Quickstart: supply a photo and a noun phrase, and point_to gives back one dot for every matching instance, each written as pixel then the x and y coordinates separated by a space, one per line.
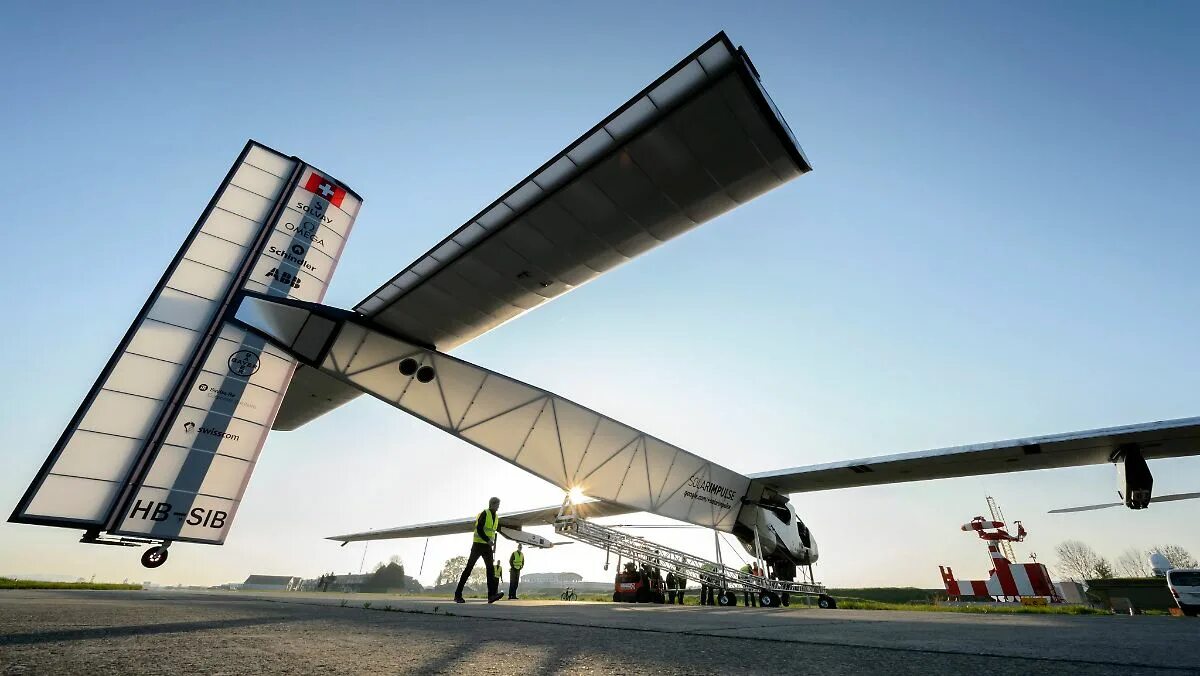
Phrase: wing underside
pixel 1164 439
pixel 700 140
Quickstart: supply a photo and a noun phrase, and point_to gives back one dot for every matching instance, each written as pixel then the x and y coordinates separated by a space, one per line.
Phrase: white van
pixel 1185 587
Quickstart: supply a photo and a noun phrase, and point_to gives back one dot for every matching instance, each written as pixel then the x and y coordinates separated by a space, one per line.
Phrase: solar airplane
pixel 235 342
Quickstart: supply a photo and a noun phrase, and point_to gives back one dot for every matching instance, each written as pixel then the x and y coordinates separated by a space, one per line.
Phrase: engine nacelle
pixel 1135 484
pixel 781 533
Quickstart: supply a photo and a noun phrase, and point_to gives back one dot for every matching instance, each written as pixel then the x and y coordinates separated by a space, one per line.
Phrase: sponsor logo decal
pixel 294 254
pixel 190 427
pixel 707 491
pixel 218 393
pixel 244 362
pixel 306 230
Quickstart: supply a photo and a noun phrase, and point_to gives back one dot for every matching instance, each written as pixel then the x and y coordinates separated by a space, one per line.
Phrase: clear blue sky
pixel 999 239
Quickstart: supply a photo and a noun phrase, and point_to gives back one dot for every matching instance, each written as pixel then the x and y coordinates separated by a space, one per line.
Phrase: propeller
pixel 1160 498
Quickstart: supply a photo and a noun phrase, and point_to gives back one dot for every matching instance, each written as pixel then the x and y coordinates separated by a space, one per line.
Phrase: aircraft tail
pixel 164 443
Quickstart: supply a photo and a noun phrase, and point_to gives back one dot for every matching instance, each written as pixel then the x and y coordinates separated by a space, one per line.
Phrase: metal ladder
pixel 666 559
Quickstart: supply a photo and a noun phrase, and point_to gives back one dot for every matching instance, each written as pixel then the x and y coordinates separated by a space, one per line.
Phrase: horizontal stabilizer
pixel 1106 505
pixel 543 516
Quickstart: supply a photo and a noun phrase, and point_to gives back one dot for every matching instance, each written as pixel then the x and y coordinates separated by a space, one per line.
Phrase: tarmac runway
pixel 153 632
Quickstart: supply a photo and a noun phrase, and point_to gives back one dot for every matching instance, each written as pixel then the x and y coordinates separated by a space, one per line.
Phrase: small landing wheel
pixel 154 557
pixel 826 601
pixel 769 599
pixel 726 598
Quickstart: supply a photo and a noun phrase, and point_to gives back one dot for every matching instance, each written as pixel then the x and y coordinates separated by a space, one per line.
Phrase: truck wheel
pixel 826 601
pixel 769 599
pixel 727 598
pixel 154 557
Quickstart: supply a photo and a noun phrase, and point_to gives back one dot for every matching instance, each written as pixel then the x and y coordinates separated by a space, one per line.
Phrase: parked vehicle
pixel 1184 584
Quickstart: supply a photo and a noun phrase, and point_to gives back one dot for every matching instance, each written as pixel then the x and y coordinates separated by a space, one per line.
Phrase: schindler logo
pixel 244 363
pixel 295 255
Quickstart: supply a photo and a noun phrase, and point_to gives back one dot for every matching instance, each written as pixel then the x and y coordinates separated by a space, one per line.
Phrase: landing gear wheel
pixel 769 599
pixel 154 557
pixel 827 602
pixel 726 598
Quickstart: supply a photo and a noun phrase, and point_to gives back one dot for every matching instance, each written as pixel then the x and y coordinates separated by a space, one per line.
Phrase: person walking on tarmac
pixel 708 585
pixel 482 545
pixel 516 561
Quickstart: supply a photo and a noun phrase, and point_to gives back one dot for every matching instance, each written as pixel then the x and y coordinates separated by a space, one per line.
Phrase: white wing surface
pixel 1164 439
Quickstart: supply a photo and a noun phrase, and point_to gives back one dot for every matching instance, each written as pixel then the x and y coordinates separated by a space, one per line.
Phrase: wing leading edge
pixel 1163 439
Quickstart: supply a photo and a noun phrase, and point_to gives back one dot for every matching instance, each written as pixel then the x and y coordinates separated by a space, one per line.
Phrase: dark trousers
pixel 679 598
pixel 708 595
pixel 670 596
pixel 514 577
pixel 478 550
pixel 751 599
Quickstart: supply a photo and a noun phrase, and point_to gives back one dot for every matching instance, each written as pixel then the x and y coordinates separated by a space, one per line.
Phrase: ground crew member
pixel 785 570
pixel 670 587
pixel 516 561
pixel 751 595
pixel 708 586
pixel 680 585
pixel 483 540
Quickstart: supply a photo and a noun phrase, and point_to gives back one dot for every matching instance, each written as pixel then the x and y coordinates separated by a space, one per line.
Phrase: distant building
pixel 271 583
pixel 550 579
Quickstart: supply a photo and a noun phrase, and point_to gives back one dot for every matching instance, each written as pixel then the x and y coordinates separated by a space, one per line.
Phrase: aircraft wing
pixel 1164 439
pixel 530 517
pixel 700 140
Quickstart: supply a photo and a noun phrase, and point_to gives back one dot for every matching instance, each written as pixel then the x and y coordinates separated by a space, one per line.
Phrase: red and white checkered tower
pixel 1007 581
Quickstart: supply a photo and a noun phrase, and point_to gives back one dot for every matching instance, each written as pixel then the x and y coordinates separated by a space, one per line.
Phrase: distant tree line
pixel 1078 561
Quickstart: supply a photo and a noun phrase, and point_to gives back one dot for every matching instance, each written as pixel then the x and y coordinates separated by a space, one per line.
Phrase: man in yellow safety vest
pixel 481 547
pixel 515 563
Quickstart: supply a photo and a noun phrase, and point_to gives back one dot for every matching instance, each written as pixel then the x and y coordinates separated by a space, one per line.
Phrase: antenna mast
pixel 997 515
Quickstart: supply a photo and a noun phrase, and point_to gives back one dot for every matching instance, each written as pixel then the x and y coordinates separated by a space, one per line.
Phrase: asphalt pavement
pixel 170 632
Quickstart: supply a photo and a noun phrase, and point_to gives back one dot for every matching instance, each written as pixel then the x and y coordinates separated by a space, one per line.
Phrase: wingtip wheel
pixel 156 556
pixel 826 602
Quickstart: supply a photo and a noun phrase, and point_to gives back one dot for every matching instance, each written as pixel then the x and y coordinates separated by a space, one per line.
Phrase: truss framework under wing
pixel 569 445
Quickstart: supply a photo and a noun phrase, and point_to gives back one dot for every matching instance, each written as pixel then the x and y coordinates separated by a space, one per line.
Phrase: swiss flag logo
pixel 326 188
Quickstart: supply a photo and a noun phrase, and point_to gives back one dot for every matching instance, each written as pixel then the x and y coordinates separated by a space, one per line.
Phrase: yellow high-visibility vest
pixel 518 560
pixel 489 527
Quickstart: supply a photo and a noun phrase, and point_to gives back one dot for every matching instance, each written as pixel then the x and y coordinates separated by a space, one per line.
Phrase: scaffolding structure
pixel 697 569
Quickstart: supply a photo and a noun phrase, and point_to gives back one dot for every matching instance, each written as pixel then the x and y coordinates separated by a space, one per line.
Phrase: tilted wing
pixel 1164 439
pixel 531 517
pixel 700 140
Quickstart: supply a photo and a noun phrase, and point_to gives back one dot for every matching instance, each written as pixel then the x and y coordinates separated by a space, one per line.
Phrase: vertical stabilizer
pixel 165 442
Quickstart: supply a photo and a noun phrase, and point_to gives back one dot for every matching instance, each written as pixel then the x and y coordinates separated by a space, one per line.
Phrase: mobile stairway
pixel 728 581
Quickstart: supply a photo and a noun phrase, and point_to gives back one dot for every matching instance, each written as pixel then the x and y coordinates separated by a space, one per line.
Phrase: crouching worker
pixel 483 542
